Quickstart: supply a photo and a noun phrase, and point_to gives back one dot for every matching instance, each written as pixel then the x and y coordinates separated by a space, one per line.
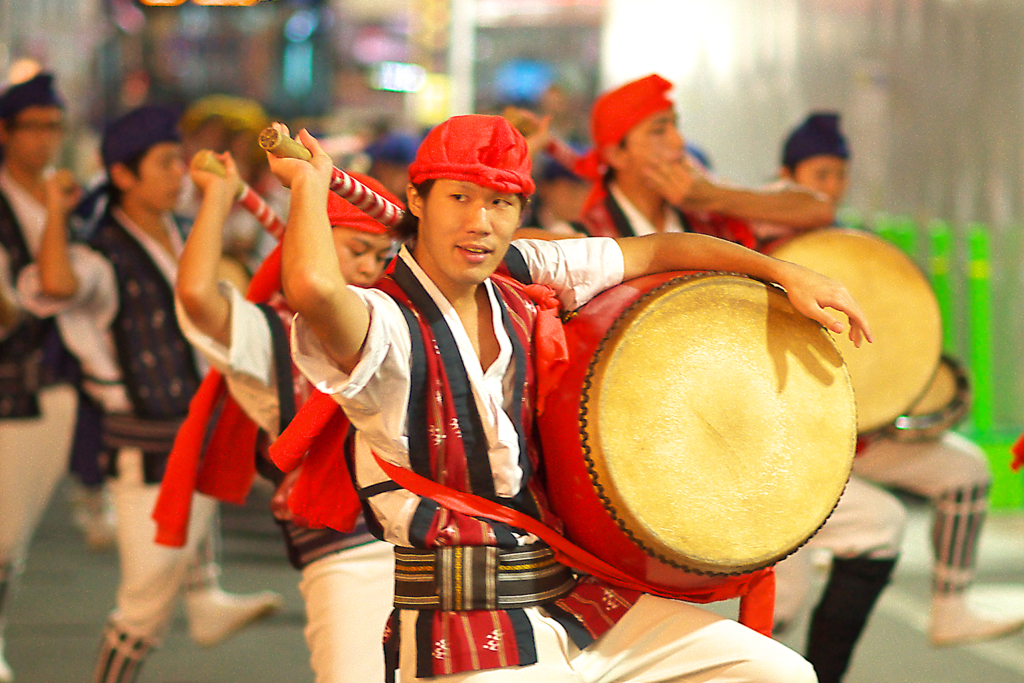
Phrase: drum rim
pixel 909 427
pixel 592 466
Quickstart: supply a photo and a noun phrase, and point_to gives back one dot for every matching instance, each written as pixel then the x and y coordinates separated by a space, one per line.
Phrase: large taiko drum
pixel 890 375
pixel 704 428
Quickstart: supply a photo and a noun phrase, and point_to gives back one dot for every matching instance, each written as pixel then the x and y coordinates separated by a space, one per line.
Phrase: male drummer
pixel 645 183
pixel 429 366
pixel 951 471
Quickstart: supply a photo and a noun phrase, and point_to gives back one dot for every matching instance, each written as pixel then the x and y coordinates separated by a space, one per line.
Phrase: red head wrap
pixel 484 150
pixel 343 215
pixel 617 111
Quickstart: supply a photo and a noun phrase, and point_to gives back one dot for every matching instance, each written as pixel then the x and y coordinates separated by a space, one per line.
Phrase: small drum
pixel 891 374
pixel 944 405
pixel 704 428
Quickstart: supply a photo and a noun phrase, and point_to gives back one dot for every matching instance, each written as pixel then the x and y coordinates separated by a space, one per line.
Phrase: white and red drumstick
pixel 344 185
pixel 247 197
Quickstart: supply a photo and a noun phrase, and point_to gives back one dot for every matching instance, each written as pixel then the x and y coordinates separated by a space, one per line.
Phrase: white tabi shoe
pixel 955 622
pixel 214 615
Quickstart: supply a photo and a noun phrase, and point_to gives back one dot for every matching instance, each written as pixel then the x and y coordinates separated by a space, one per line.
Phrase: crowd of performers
pixel 165 357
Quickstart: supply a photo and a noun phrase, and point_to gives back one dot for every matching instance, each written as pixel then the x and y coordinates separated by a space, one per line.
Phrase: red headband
pixel 484 150
pixel 343 215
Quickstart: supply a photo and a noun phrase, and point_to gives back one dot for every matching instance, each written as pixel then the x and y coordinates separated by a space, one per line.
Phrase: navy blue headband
pixel 818 135
pixel 36 92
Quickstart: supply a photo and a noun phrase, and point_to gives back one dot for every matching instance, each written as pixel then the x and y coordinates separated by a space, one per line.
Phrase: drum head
pixel 891 374
pixel 718 424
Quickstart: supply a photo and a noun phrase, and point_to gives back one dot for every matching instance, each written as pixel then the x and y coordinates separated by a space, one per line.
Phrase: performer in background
pixel 114 304
pixel 644 182
pixel 444 321
pixel 37 401
pixel 346 577
pixel 949 470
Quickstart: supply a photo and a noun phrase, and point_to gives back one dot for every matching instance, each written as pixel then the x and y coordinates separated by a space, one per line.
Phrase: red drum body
pixel 704 428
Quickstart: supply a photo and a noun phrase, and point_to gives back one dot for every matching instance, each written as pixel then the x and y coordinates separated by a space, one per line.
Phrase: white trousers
pixel 867 522
pixel 927 468
pixel 348 598
pixel 33 458
pixel 152 575
pixel 658 641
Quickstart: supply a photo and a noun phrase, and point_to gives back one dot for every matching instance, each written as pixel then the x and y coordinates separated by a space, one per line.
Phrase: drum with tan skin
pixel 890 375
pixel 944 405
pixel 704 428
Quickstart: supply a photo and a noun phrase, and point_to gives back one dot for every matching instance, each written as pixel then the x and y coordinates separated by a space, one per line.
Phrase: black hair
pixel 132 164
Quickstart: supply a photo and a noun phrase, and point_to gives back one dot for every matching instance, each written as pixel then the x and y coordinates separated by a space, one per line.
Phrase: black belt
pixel 464 578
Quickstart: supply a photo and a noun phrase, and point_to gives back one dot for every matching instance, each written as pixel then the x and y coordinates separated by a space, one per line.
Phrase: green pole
pixel 884 227
pixel 940 265
pixel 979 308
pixel 905 235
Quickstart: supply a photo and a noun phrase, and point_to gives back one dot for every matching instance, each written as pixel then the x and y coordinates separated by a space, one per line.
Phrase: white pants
pixel 348 598
pixel 657 641
pixel 33 458
pixel 927 468
pixel 867 522
pixel 152 575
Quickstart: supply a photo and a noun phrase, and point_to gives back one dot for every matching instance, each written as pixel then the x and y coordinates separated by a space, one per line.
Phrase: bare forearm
pixel 312 279
pixel 688 251
pixel 793 208
pixel 196 284
pixel 57 278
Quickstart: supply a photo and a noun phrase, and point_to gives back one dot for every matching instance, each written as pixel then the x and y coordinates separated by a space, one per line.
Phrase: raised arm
pixel 691 190
pixel 196 284
pixel 57 278
pixel 809 292
pixel 310 274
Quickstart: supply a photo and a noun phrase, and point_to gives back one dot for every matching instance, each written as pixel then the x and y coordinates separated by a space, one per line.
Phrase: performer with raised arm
pixel 431 366
pixel 346 576
pixel 37 408
pixel 114 304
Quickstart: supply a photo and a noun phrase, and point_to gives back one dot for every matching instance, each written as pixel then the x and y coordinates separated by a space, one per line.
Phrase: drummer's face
pixel 464 231
pixel 656 139
pixel 824 173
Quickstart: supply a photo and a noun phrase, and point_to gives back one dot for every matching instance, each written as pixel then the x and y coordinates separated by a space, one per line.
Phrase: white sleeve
pixel 248 364
pixel 577 269
pixel 376 395
pixel 95 299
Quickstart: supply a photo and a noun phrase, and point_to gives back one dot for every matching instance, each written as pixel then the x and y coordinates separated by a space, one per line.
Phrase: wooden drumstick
pixel 204 160
pixel 344 185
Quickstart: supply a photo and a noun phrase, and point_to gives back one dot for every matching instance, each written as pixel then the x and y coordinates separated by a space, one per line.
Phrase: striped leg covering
pixel 121 656
pixel 959 516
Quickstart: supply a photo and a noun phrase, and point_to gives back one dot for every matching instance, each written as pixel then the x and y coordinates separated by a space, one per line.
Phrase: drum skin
pixel 704 428
pixel 891 374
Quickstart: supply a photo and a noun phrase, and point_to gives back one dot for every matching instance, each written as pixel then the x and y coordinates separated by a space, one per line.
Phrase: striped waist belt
pixel 466 578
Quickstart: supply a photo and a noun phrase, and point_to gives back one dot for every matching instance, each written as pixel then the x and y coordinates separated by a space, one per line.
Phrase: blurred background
pixel 932 98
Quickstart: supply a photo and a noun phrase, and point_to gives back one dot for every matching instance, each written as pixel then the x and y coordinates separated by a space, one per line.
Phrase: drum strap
pixel 756 590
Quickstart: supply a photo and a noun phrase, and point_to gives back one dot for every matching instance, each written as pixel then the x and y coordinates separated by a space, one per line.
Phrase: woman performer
pixel 436 369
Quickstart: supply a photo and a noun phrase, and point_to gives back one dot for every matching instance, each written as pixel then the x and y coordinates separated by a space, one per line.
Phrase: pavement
pixel 67 592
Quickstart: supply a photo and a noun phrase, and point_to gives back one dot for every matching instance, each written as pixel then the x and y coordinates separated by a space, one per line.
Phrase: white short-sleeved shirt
pixel 376 395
